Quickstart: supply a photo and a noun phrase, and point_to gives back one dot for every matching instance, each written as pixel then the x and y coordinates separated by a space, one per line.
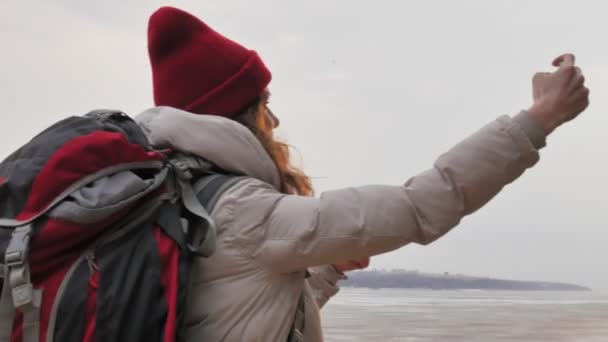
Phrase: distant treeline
pixel 417 280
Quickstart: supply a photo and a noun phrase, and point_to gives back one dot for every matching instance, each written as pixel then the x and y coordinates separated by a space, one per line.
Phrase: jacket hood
pixel 224 142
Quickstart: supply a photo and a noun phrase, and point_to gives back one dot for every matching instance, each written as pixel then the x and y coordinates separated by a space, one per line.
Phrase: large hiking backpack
pixel 97 232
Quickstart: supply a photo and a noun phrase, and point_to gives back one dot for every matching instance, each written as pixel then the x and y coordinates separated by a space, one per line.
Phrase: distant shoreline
pixel 403 279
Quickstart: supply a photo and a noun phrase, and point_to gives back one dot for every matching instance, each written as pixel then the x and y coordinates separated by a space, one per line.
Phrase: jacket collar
pixel 224 142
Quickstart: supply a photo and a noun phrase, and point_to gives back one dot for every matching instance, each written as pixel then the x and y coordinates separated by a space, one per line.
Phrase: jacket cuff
pixel 532 129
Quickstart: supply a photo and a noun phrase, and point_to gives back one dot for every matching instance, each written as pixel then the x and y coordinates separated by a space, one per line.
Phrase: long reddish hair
pixel 293 180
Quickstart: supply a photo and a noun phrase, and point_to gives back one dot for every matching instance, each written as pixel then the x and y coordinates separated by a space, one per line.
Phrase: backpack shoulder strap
pixel 196 175
pixel 297 328
pixel 210 188
pixel 200 199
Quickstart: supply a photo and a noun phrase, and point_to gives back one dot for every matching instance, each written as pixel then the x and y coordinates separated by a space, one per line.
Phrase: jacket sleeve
pixel 323 281
pixel 290 233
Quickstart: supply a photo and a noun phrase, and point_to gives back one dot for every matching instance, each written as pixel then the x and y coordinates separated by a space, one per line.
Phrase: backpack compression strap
pixel 17 289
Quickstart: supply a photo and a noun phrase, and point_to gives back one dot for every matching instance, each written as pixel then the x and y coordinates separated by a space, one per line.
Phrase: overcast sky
pixel 369 92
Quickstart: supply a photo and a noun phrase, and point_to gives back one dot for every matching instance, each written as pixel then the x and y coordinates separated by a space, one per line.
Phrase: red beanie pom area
pixel 198 70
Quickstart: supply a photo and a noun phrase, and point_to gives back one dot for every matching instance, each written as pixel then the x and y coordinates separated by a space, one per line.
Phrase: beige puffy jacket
pixel 248 290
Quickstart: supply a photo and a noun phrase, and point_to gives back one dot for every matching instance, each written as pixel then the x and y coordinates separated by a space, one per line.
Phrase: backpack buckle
pixel 18 247
pixel 25 297
pixel 187 166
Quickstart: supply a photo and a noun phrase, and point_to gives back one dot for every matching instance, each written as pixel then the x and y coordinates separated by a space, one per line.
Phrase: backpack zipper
pixel 90 257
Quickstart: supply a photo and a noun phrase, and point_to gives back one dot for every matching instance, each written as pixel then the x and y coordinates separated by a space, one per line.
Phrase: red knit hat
pixel 198 70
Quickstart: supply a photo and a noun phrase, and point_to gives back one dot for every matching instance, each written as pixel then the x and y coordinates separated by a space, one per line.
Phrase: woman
pixel 213 93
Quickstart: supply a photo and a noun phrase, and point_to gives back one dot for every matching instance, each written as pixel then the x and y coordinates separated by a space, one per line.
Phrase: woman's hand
pixel 559 96
pixel 352 265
